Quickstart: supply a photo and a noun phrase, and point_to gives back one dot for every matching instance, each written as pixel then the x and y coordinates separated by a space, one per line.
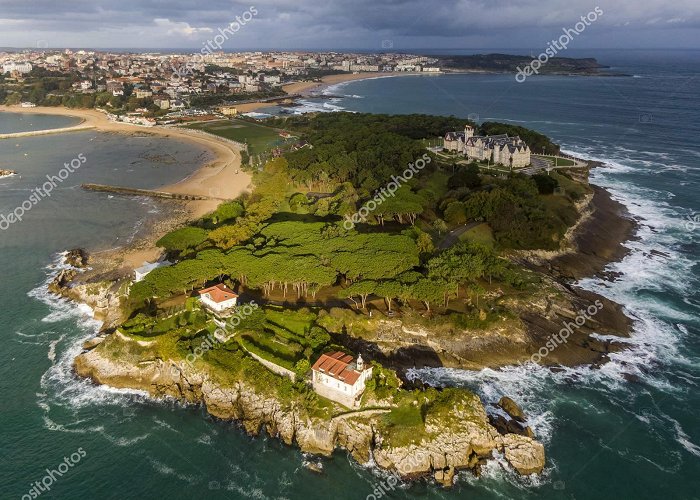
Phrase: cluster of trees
pixel 284 238
pixel 464 264
pixel 292 256
pixel 515 208
pixel 216 99
pixel 363 149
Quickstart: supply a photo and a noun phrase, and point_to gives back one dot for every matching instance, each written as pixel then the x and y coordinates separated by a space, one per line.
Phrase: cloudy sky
pixel 347 24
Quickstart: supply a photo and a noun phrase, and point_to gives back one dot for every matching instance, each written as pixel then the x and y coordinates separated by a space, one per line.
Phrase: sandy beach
pixel 306 88
pixel 219 180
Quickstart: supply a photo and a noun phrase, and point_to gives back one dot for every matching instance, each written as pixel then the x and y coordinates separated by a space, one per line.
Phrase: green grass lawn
pixel 479 234
pixel 284 339
pixel 258 137
pixel 565 162
pixel 297 322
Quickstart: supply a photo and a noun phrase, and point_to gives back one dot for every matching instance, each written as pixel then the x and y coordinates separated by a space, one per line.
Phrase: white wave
pixel 684 439
pixel 52 348
pixel 310 106
pixel 255 114
pixel 167 470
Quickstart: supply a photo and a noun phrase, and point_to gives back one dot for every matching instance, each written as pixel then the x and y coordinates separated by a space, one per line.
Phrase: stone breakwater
pixel 32 133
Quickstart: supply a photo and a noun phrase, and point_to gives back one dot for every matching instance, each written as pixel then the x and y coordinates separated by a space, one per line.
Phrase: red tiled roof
pixel 219 293
pixel 337 365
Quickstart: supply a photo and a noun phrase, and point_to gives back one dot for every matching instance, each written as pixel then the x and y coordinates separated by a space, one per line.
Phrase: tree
pixel 465 177
pixel 455 213
pixel 389 290
pixel 181 240
pixel 545 183
pixel 428 291
pixel 360 288
pixel 440 226
pixel 301 368
pixel 425 243
pixel 318 337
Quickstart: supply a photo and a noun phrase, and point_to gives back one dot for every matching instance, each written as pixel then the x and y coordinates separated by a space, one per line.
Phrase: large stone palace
pixel 498 149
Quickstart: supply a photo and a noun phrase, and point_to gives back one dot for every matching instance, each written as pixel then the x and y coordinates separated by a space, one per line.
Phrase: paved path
pixel 361 413
pixel 453 237
pixel 540 163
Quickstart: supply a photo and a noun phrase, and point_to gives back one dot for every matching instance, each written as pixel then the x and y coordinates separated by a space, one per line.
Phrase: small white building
pixel 218 298
pixel 141 272
pixel 338 377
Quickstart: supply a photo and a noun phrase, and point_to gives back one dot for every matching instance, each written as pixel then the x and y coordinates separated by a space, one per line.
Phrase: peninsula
pixel 359 253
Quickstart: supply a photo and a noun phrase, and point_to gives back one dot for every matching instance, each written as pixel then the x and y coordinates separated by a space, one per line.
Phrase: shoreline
pixel 311 88
pixel 219 179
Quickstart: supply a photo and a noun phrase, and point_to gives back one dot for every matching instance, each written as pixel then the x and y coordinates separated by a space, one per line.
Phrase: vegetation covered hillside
pixel 429 248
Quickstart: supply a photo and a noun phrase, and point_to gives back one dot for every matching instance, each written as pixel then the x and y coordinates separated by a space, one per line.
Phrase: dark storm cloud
pixel 346 23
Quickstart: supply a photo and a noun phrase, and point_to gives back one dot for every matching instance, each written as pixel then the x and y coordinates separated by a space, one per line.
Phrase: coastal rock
pixel 76 258
pixel 445 477
pixel 61 281
pixel 505 425
pixel 104 298
pixel 524 454
pixel 7 173
pixel 512 408
pixel 460 439
pixel 509 418
pixel 92 343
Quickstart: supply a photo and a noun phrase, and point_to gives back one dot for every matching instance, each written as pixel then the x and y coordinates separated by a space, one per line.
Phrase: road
pixel 453 236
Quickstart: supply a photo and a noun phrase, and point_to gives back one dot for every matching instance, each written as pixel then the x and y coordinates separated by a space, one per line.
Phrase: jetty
pixel 32 133
pixel 125 191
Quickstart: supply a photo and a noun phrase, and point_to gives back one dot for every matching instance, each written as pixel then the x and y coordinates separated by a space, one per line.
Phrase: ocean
pixel 628 429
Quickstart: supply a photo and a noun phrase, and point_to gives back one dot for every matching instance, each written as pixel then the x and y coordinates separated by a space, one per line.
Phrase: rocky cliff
pixel 461 439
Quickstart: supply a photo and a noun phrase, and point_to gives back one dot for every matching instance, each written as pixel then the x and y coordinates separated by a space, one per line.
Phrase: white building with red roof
pixel 218 298
pixel 339 377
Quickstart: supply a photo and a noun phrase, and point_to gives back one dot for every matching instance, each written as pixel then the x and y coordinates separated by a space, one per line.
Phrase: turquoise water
pixel 608 435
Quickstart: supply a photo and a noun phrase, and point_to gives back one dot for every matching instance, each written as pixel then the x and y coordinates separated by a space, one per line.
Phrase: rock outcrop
pixel 459 440
pixel 7 173
pixel 76 258
pixel 509 418
pixel 512 408
pixel 61 282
